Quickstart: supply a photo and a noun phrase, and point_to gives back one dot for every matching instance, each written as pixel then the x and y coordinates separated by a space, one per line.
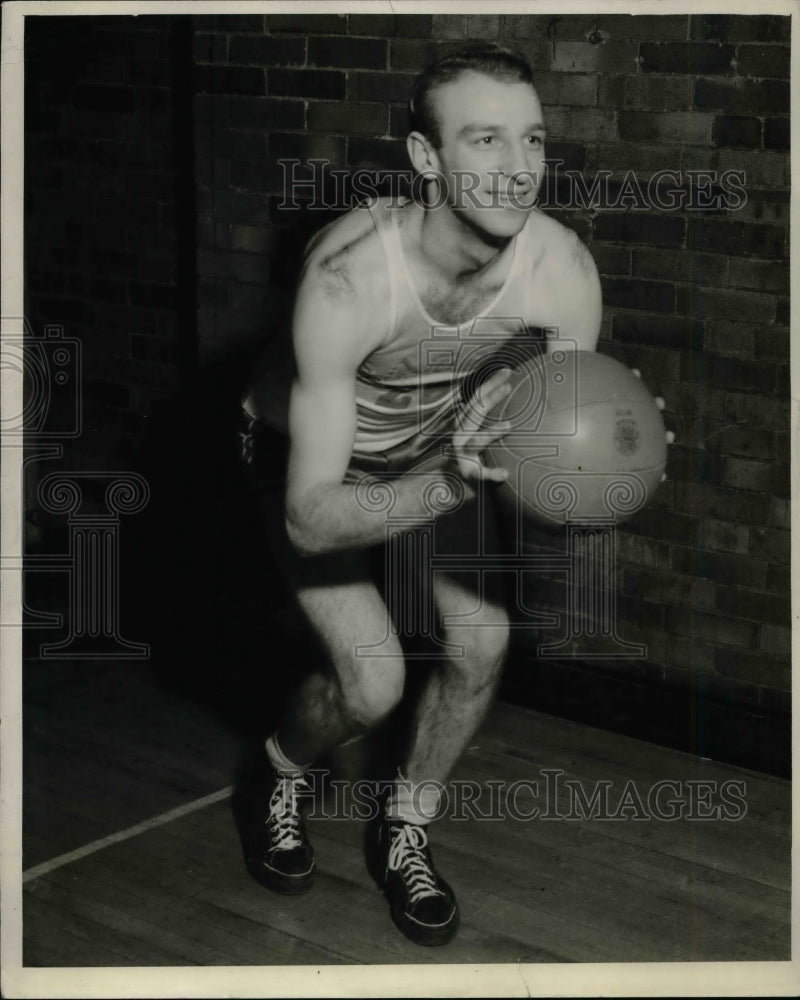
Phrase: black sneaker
pixel 422 904
pixel 280 856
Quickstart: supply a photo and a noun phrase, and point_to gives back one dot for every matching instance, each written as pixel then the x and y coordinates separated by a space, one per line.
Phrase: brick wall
pixel 100 233
pixel 696 299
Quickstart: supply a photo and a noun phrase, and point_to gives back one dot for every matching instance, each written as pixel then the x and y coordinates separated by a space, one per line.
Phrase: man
pixel 377 285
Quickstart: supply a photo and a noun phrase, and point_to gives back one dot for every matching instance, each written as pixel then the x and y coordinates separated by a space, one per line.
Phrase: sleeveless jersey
pixel 412 387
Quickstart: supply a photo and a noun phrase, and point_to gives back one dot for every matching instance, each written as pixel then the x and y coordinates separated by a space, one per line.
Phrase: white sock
pixel 412 803
pixel 281 762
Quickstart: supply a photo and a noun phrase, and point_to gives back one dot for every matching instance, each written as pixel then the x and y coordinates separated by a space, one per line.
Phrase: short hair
pixel 489 58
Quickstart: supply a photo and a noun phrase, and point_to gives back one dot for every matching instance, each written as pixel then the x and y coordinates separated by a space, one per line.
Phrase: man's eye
pixel 486 140
pixel 535 140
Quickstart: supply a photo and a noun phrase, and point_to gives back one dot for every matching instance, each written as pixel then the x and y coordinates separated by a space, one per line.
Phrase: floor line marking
pixel 132 831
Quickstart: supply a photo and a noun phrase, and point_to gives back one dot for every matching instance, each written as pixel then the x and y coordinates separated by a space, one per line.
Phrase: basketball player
pixel 377 284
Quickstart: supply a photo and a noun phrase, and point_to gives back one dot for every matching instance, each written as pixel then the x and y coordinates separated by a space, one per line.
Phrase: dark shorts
pixel 462 535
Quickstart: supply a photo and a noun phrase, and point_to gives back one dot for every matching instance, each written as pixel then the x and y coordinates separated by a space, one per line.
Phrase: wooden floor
pixel 106 748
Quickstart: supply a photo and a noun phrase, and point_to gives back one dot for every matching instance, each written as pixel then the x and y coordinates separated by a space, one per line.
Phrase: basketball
pixel 587 441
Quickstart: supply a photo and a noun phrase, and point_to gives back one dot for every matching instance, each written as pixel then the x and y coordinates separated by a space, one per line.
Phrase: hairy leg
pixel 460 687
pixel 358 690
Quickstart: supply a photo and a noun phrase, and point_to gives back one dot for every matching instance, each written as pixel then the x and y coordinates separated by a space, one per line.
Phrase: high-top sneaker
pixel 280 855
pixel 422 904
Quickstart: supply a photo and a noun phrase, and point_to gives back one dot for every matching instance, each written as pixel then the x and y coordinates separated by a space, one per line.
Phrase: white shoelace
pixel 284 817
pixel 405 856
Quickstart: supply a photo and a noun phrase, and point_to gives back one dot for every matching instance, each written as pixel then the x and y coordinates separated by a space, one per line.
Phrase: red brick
pixel 583 57
pixel 591 124
pixel 654 93
pixel 735 374
pixel 229 80
pixel 637 293
pixel 669 588
pixel 326 84
pixel 745 442
pixel 737 131
pixel 573 27
pixel 745 474
pixel 703 269
pixel 768 276
pixel 306 147
pixel 645 27
pixel 623 157
pixel 776 640
pixel 730 304
pixel 610 90
pixel 779 578
pixel 753 667
pixel 686 128
pixel 739 238
pixel 756 97
pixel 704 501
pixel 686 58
pixel 566 90
pixel 642 551
pixel 772 342
pixel 782 313
pixel 381 153
pixel 762 169
pixel 347 53
pixel 646 615
pixel 740 28
pixel 723 536
pixel 764 60
pixel 772 544
pixel 262 50
pixel 611 259
pixel 389 25
pixel 261 113
pixel 571 154
pixel 389 87
pixel 723 567
pixel 663 331
pixel 754 605
pixel 709 627
pixel 658 230
pixel 776 133
pixel 690 654
pixel 308 24
pixel 781 513
pixel 348 118
pixel 666 526
pixel 449 26
pixel 414 55
pixel 758 411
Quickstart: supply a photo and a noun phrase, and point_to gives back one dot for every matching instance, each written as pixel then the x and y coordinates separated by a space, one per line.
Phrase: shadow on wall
pixel 198 583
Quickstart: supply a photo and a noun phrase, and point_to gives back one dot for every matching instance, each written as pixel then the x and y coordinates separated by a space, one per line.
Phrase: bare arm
pixel 333 333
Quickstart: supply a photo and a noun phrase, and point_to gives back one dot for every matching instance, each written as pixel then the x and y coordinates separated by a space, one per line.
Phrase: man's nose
pixel 517 163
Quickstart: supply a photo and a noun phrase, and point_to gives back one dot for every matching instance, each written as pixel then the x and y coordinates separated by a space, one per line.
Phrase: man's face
pixel 492 150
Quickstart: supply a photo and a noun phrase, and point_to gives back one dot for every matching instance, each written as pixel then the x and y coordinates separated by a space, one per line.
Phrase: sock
pixel 280 762
pixel 412 803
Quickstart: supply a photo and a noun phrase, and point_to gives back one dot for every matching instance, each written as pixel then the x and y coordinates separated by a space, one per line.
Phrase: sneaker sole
pixel 430 937
pixel 286 885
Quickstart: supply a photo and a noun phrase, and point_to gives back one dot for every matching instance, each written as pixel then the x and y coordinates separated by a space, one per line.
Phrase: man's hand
pixel 475 431
pixel 659 401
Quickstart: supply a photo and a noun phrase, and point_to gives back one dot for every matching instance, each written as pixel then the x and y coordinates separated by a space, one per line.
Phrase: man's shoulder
pixel 346 256
pixel 558 247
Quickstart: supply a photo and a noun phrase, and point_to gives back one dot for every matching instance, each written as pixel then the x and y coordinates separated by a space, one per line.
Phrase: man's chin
pixel 497 223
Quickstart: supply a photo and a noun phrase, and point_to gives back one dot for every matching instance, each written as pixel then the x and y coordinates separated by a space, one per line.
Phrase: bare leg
pixel 359 690
pixel 459 690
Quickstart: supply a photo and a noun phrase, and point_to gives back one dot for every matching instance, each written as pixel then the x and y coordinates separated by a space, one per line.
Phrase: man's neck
pixel 453 247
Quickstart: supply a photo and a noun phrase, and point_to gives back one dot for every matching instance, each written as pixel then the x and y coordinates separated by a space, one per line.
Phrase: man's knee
pixel 374 691
pixel 484 644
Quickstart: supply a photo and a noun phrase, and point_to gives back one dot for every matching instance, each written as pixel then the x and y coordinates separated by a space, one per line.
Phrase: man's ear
pixel 421 153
